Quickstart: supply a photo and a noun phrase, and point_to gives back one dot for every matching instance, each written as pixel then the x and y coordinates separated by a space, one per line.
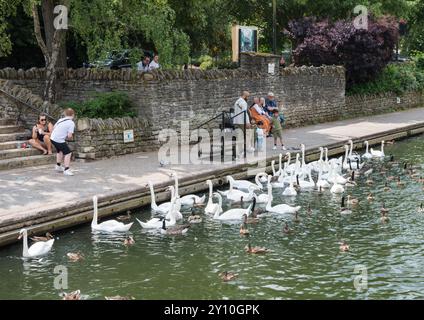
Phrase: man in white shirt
pixel 144 65
pixel 238 121
pixel 63 130
pixel 155 63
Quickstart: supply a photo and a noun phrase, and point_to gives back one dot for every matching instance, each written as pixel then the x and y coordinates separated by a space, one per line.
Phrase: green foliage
pixel 104 106
pixel 397 78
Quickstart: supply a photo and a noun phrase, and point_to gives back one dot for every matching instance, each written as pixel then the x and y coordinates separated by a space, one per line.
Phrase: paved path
pixel 25 191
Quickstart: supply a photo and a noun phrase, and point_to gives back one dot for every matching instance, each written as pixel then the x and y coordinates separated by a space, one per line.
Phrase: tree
pixel 363 52
pixel 415 38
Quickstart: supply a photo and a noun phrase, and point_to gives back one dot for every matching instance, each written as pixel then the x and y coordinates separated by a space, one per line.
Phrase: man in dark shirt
pixel 271 105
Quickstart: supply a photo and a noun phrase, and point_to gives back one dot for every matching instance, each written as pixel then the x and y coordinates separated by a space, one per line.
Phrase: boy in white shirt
pixel 63 130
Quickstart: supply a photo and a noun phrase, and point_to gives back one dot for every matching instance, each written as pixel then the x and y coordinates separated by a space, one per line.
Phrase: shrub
pixel 364 53
pixel 104 106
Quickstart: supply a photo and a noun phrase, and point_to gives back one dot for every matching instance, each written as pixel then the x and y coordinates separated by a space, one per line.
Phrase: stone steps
pixel 31 161
pixel 21 136
pixel 9 145
pixel 10 129
pixel 15 153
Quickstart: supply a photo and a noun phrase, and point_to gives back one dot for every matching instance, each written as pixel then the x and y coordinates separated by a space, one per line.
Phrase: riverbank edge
pixel 81 212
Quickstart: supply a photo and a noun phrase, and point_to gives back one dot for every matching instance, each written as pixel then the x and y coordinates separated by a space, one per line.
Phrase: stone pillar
pixel 259 62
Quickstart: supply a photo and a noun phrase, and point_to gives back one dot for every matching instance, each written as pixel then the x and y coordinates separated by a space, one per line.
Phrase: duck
pixel 228 276
pixel 377 153
pixel 75 257
pixel 243 230
pixel 367 155
pixel 48 237
pixel 232 214
pixel 296 218
pixel 109 226
pixel 343 208
pixel 369 182
pixel 38 249
pixel 255 250
pixel 211 207
pixel 156 223
pixel 351 182
pixel 352 201
pixel 174 230
pixel 386 187
pixel 344 247
pixel 309 210
pixel 194 218
pixel 125 218
pixel 384 217
pixel 384 211
pixel 421 208
pixel 250 220
pixel 129 241
pixel 400 183
pixel 391 142
pixel 286 229
pixel 76 295
pixel 370 197
pixel 281 208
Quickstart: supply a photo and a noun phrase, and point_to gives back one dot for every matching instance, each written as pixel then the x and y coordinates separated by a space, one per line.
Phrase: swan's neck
pixel 268 205
pixel 382 148
pixel 351 148
pixel 152 196
pixel 176 187
pixel 321 155
pixel 258 183
pixel 326 155
pixel 367 147
pixel 95 214
pixel 218 207
pixel 303 157
pixel 273 169
pixel 25 252
pixel 280 163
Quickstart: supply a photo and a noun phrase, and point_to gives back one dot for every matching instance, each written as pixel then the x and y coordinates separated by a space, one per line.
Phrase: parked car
pixel 116 60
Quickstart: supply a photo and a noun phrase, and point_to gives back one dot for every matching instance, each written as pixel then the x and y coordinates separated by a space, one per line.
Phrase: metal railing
pixel 20 101
pixel 226 117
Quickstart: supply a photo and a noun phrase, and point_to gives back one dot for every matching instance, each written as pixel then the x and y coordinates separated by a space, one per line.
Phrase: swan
pixel 187 200
pixel 162 208
pixel 352 155
pixel 303 184
pixel 38 249
pixel 316 165
pixel 211 207
pixel 337 188
pixel 304 169
pixel 107 226
pixel 281 208
pixel 290 191
pixel 378 154
pixel 367 155
pixel 280 165
pixel 294 167
pixel 178 214
pixel 239 196
pixel 321 183
pixel 156 223
pixel 262 198
pixel 246 185
pixel 276 183
pixel 232 214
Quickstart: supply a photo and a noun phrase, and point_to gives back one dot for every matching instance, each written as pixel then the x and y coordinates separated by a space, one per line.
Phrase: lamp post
pixel 274 26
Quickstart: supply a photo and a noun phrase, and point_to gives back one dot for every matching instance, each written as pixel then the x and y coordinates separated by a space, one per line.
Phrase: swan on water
pixel 245 184
pixel 290 191
pixel 187 200
pixel 232 214
pixel 367 155
pixel 107 226
pixel 38 249
pixel 377 153
pixel 281 208
pixel 211 207
pixel 156 223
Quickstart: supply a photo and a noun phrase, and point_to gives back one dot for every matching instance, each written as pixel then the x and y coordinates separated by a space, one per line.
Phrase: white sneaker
pixel 284 148
pixel 59 168
pixel 274 148
pixel 68 172
pixel 251 150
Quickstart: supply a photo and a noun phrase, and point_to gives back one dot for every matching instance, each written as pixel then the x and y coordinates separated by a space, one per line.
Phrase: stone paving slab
pixel 28 190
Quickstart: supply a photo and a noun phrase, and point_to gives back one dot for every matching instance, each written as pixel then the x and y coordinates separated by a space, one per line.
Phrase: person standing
pixel 155 63
pixel 41 132
pixel 62 131
pixel 238 121
pixel 277 131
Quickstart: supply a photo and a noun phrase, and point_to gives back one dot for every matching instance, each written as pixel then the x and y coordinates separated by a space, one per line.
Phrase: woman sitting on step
pixel 41 135
pixel 260 116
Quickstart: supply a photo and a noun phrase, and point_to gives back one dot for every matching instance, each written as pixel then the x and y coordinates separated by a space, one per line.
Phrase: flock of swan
pixel 334 175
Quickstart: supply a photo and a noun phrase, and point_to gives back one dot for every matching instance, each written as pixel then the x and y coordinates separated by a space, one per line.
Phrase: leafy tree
pixel 363 52
pixel 415 39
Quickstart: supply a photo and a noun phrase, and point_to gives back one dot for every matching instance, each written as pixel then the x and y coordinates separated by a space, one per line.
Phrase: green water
pixel 305 265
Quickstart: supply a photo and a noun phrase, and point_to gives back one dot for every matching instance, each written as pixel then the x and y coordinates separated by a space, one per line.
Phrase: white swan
pixel 107 226
pixel 162 208
pixel 236 195
pixel 367 155
pixel 232 214
pixel 211 207
pixel 353 155
pixel 38 249
pixel 157 223
pixel 245 184
pixel 321 183
pixel 187 200
pixel 337 188
pixel 306 185
pixel 281 208
pixel 177 206
pixel 378 154
pixel 290 191
pixel 276 184
pixel 316 165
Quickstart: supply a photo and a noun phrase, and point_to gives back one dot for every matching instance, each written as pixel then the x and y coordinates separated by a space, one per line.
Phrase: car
pixel 116 60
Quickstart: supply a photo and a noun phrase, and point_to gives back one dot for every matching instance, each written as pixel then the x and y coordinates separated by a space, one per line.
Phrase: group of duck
pixel 334 175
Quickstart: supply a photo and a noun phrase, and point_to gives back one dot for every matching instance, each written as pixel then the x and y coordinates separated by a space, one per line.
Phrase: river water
pixel 307 264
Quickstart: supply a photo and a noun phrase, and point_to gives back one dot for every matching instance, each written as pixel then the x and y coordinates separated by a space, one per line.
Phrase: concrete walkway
pixel 24 192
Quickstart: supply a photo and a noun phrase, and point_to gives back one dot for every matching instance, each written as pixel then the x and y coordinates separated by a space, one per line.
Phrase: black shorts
pixel 62 147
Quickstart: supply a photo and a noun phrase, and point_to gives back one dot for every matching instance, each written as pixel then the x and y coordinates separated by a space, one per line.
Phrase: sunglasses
pixel 42 119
